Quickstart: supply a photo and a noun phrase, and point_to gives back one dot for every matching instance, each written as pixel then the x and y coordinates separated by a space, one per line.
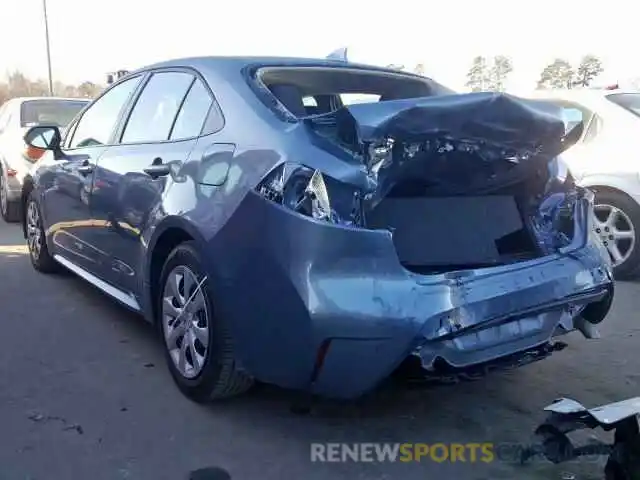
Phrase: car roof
pixel 239 62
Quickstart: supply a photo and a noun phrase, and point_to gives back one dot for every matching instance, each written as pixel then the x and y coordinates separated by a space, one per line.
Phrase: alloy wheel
pixel 185 321
pixel 34 230
pixel 615 229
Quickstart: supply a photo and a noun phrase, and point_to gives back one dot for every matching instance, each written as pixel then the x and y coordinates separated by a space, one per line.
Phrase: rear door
pixel 156 139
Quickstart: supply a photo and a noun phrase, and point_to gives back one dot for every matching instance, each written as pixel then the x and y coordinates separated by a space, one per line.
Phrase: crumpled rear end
pixel 312 288
pixel 324 293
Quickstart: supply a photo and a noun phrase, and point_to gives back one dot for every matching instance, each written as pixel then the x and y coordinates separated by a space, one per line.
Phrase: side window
pixel 96 125
pixel 573 113
pixel 309 102
pixel 156 108
pixel 351 98
pixel 193 112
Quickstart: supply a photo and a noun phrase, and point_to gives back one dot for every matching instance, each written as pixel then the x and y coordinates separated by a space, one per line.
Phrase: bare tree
pixel 558 74
pixel 89 89
pixel 590 67
pixel 500 70
pixel 478 74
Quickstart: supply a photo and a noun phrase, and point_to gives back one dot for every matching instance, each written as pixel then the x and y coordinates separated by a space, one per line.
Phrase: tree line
pixel 16 84
pixel 487 74
pixel 492 73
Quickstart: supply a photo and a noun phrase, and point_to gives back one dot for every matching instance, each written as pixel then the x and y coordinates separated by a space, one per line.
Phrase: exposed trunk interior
pixel 471 217
pixel 433 234
pixel 452 208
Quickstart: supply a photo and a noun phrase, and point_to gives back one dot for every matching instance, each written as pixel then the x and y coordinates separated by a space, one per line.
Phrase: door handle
pixel 85 169
pixel 158 169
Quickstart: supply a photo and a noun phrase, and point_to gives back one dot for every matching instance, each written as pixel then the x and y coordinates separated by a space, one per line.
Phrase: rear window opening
pixel 309 90
pixel 49 112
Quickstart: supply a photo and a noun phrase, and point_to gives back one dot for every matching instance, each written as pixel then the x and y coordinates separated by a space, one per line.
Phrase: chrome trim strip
pixel 119 295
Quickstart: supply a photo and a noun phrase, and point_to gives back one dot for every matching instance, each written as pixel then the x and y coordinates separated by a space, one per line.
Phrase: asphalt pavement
pixel 84 394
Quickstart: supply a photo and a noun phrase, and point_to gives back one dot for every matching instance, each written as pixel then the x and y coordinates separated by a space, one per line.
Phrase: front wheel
pixel 617 224
pixel 39 254
pixel 198 346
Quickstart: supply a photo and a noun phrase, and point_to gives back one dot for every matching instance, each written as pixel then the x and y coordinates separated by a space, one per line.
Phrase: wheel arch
pixel 611 189
pixel 612 184
pixel 170 233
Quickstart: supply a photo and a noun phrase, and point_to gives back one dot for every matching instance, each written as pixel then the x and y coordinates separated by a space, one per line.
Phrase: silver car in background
pixel 605 159
pixel 16 117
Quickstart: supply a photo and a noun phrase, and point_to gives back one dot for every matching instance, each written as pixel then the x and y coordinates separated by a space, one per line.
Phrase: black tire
pixel 630 268
pixel 220 376
pixel 10 210
pixel 40 257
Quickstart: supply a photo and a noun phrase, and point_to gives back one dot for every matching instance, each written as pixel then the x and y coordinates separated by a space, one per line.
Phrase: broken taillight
pixel 33 154
pixel 310 193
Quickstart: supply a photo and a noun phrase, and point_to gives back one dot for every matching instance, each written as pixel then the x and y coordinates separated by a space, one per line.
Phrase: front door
pixel 130 179
pixel 67 189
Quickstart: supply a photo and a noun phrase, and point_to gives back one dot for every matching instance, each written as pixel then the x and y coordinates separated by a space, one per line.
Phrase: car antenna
pixel 339 54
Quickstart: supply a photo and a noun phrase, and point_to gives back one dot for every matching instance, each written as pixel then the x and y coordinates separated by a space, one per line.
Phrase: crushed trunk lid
pixel 500 131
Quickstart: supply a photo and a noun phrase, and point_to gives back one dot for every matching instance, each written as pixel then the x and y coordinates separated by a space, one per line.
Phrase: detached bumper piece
pixel 568 415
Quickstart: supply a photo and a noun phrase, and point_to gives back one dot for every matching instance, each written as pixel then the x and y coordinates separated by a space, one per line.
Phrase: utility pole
pixel 46 32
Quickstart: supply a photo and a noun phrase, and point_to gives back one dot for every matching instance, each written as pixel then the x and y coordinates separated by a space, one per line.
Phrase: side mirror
pixel 44 137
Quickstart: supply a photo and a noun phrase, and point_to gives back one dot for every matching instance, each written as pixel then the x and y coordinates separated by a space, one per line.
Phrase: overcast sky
pixel 91 37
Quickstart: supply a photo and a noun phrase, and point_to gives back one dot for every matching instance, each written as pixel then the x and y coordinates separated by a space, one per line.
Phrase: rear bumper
pixel 293 289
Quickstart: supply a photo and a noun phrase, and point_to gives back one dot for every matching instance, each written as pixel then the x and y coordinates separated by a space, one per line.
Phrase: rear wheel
pixel 41 259
pixel 9 209
pixel 617 224
pixel 198 346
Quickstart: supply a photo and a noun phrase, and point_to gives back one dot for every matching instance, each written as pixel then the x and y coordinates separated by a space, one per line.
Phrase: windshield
pixel 50 112
pixel 628 101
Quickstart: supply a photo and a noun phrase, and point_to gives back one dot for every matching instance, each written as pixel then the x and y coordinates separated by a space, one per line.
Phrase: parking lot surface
pixel 84 394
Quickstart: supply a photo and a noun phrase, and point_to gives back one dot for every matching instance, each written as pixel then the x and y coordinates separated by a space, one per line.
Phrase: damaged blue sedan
pixel 320 225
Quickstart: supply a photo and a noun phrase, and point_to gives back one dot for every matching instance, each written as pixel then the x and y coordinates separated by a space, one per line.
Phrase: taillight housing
pixel 33 154
pixel 310 193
